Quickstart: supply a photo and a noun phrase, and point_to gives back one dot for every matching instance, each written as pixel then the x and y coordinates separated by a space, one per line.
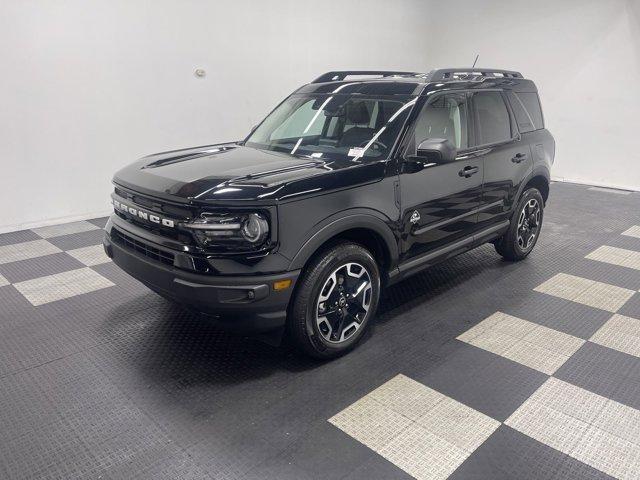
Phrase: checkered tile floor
pixel 477 369
pixel 429 435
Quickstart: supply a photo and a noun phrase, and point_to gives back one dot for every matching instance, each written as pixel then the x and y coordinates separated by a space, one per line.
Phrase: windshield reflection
pixel 334 126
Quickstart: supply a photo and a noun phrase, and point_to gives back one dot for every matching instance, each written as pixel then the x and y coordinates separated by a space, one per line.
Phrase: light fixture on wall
pixel 200 73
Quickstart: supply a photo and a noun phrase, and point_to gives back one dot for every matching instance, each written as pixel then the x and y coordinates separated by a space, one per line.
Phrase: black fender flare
pixel 537 171
pixel 341 222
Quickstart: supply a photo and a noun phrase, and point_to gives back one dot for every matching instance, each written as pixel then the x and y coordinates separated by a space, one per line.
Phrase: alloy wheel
pixel 529 224
pixel 343 302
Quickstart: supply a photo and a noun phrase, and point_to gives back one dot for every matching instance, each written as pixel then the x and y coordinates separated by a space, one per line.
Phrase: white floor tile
pixel 570 400
pixel 619 420
pixel 65 229
pixel 553 340
pixel 370 423
pixel 90 256
pixel 564 286
pixel 521 341
pixel 588 427
pixel 616 256
pixel 609 454
pixel 62 285
pixel 432 436
pixel 407 397
pixel 613 255
pixel 423 455
pixel 26 250
pixel 588 292
pixel 605 297
pixel 633 231
pixel 3 281
pixel 535 357
pixel 547 425
pixel 458 424
pixel 620 333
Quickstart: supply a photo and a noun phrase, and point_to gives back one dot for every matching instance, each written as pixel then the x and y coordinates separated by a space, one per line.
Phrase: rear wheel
pixel 525 227
pixel 335 301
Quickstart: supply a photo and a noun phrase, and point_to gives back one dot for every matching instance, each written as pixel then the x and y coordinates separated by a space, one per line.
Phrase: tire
pixel 525 227
pixel 334 283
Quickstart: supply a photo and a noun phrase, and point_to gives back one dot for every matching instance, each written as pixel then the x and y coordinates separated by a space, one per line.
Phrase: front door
pixel 439 202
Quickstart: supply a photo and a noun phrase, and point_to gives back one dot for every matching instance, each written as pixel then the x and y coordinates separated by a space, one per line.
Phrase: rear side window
pixel 492 118
pixel 526 108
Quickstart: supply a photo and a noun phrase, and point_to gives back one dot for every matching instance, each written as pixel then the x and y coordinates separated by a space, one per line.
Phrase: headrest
pixel 357 113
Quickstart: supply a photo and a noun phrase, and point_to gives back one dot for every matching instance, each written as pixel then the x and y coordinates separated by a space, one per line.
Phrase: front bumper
pixel 245 303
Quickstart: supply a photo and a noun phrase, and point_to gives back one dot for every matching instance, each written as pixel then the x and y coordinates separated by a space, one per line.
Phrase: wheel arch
pixel 366 229
pixel 540 179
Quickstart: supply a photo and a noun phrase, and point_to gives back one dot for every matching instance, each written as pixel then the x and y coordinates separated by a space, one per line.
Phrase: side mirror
pixel 437 150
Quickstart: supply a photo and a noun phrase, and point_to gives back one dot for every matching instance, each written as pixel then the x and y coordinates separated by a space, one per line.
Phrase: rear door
pixel 439 202
pixel 507 158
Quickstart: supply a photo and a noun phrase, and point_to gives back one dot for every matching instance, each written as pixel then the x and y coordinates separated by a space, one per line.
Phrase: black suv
pixel 354 182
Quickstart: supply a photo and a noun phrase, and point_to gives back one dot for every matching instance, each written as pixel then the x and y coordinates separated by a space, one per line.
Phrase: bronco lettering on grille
pixel 148 216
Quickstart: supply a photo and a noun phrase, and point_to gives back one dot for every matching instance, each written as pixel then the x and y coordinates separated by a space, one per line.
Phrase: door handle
pixel 520 157
pixel 466 172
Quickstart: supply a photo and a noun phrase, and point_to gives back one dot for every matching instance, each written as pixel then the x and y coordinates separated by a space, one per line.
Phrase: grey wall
pixel 584 56
pixel 89 86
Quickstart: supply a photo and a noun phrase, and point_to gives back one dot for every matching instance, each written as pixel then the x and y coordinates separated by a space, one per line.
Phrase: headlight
pixel 244 231
pixel 254 228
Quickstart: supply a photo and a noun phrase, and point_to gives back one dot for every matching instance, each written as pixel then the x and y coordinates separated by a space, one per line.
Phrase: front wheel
pixel 335 300
pixel 525 227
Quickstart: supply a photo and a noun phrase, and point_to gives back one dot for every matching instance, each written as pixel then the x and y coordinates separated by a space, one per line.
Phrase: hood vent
pixel 189 156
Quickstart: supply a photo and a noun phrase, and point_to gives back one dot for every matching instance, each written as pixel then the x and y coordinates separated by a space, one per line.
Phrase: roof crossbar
pixel 341 75
pixel 448 74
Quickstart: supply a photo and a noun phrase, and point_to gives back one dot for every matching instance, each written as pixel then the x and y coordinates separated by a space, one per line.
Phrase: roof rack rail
pixel 341 75
pixel 448 74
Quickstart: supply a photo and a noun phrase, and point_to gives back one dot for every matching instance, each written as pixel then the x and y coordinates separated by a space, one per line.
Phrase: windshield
pixel 334 126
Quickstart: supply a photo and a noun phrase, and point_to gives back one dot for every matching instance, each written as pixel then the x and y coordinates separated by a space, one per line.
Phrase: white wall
pixel 88 86
pixel 585 59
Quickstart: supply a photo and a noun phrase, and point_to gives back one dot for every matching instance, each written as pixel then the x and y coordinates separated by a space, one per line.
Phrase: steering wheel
pixel 377 143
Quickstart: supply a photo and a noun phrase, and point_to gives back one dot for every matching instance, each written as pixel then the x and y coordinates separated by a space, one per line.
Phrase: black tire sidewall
pixel 316 276
pixel 508 245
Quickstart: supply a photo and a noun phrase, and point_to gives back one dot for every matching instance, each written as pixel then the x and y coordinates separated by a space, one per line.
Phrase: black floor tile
pixel 486 382
pixel 508 454
pixel 328 450
pixel 78 240
pixel 632 307
pixel 604 371
pixel 32 268
pixel 99 222
pixel 573 469
pixel 18 237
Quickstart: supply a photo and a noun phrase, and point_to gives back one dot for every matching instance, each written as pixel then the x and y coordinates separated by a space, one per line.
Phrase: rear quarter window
pixel 526 108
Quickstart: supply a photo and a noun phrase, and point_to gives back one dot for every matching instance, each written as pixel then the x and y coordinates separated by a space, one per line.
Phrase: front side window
pixel 334 126
pixel 443 117
pixel 492 118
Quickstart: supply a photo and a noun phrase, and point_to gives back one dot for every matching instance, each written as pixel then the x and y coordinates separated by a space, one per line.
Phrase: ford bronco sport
pixel 354 182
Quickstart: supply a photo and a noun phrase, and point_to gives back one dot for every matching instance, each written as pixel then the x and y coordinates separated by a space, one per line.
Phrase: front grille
pixel 171 209
pixel 147 250
pixel 151 206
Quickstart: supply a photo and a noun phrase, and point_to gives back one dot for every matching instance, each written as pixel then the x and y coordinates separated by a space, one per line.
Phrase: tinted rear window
pixel 526 108
pixel 493 123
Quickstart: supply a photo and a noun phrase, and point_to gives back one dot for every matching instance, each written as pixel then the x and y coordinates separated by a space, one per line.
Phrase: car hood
pixel 236 172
